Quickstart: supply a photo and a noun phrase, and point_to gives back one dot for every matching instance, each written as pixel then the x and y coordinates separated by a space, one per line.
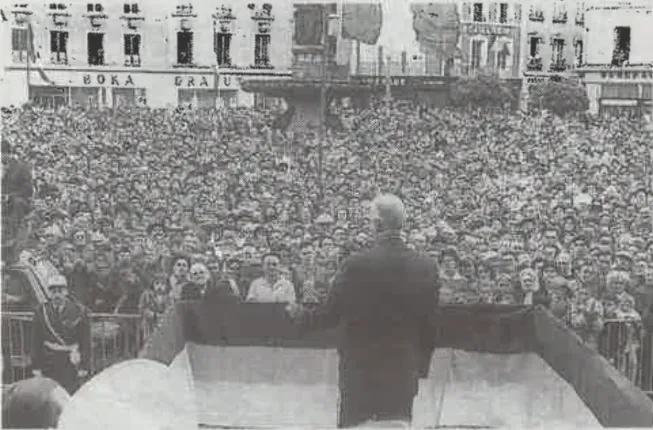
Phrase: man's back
pixel 387 294
pixel 386 298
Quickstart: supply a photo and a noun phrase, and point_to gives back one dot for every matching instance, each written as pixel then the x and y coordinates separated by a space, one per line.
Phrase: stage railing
pixel 114 337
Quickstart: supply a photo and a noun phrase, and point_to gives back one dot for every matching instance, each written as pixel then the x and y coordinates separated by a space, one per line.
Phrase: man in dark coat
pixel 61 338
pixel 384 300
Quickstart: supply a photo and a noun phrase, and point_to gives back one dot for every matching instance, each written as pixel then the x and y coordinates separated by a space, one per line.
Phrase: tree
pixel 559 98
pixel 483 91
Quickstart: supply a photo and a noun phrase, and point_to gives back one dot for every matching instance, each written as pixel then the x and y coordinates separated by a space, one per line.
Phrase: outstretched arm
pixel 328 314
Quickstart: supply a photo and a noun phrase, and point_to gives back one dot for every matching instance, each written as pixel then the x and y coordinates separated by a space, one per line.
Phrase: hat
pixel 57 281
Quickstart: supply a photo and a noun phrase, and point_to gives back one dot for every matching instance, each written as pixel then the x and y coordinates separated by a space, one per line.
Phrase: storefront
pixel 625 91
pixel 112 88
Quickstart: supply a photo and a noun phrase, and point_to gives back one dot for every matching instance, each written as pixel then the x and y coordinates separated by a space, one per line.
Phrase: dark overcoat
pixel 383 302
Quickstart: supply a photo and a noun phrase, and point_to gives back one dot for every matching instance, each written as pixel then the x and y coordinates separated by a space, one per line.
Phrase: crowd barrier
pixel 114 337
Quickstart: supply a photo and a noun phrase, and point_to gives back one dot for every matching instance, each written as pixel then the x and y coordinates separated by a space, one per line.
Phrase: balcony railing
pixel 537 16
pixel 132 60
pixel 60 58
pixel 19 57
pixel 534 64
pixel 558 66
pixel 560 18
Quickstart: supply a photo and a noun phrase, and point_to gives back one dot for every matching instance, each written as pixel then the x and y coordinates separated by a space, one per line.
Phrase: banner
pixel 437 27
pixel 34 57
pixel 362 22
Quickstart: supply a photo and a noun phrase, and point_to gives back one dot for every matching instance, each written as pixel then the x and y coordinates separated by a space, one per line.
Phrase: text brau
pixel 199 81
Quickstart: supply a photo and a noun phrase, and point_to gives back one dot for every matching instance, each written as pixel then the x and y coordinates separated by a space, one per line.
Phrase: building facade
pixel 142 53
pixel 618 66
pixel 553 38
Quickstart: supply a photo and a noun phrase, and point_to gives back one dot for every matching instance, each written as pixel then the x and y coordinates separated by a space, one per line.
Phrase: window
pixel 132 50
pixel 478 12
pixel 503 13
pixel 59 47
pixel 221 47
pixel 558 48
pixel 130 8
pixel 19 45
pixel 96 49
pixel 185 47
pixel 621 52
pixel 94 7
pixel 579 53
pixel 262 50
pixel 478 53
pixel 534 46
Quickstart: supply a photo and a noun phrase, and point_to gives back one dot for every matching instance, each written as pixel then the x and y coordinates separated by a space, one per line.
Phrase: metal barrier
pixel 114 337
pixel 628 347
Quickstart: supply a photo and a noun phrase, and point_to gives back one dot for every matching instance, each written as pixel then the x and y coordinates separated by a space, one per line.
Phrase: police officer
pixel 61 334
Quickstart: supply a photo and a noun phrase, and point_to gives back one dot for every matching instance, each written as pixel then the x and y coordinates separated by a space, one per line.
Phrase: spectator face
pixel 271 265
pixel 180 269
pixel 550 238
pixel 58 294
pixel 308 255
pixel 449 263
pixel 80 238
pixel 199 274
pixel 605 262
pixel 124 257
pixel 339 236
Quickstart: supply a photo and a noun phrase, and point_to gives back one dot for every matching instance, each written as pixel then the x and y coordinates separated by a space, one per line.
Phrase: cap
pixel 57 281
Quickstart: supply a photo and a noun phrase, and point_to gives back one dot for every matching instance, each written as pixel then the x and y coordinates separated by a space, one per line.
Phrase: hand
pixel 294 311
pixel 82 373
pixel 37 373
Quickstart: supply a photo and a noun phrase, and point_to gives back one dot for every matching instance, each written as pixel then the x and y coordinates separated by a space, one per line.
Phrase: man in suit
pixel 61 338
pixel 384 300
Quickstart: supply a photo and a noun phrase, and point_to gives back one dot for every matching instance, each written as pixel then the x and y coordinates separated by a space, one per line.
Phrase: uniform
pixel 384 301
pixel 61 342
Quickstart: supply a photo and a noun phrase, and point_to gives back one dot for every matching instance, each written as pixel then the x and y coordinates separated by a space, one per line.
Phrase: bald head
pixel 388 212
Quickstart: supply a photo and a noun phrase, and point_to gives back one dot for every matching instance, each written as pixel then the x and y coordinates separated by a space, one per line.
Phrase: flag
pixel 308 24
pixel 362 22
pixel 437 27
pixel 34 57
pixel 4 17
pixel 216 77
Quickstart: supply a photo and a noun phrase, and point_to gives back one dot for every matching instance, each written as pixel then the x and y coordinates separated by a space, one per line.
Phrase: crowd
pixel 141 207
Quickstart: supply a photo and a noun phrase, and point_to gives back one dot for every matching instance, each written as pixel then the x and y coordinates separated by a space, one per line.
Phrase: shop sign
pixel 488 29
pixel 108 80
pixel 189 81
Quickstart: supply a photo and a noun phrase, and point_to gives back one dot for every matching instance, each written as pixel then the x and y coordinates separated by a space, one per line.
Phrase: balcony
pixel 536 16
pixel 534 64
pixel 19 57
pixel 560 18
pixel 132 61
pixel 59 58
pixel 559 66
pixel 262 64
